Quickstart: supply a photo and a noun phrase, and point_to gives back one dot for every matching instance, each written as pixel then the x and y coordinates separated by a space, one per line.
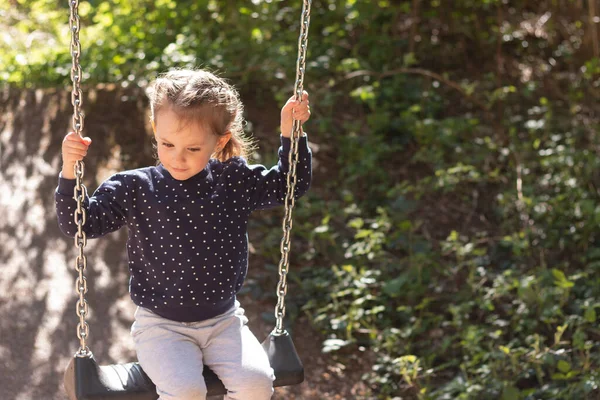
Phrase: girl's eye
pixel 194 149
pixel 167 144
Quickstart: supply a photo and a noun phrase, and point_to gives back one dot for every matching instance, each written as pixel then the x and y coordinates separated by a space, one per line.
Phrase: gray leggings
pixel 173 353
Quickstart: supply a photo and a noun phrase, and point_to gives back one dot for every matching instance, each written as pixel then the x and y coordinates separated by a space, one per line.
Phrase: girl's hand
pixel 74 148
pixel 299 110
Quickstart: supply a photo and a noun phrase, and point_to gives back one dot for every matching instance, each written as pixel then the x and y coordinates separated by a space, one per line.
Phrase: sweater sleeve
pixel 106 210
pixel 266 188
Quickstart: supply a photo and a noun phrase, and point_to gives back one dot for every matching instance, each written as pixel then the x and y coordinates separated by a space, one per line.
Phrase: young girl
pixel 187 244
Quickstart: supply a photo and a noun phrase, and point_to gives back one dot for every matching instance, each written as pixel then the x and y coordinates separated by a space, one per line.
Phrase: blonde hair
pixel 199 96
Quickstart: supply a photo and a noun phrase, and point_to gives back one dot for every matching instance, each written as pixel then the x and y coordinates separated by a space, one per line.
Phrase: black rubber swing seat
pixel 86 380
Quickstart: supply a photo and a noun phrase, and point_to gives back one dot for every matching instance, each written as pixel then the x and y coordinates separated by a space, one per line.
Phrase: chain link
pixel 291 176
pixel 79 193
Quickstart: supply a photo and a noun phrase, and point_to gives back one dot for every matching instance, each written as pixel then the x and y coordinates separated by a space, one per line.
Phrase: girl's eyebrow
pixel 189 145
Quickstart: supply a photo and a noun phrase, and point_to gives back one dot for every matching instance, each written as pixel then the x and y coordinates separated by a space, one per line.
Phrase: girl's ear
pixel 223 140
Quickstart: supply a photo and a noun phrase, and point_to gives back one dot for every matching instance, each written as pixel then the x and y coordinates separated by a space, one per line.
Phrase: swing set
pixel 84 378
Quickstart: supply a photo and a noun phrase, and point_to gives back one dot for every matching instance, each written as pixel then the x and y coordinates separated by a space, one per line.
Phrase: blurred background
pixel 449 246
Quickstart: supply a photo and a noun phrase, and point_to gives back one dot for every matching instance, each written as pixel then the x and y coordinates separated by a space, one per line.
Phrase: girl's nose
pixel 179 156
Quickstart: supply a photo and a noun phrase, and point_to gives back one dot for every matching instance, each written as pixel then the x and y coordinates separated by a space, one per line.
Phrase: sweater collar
pixel 196 178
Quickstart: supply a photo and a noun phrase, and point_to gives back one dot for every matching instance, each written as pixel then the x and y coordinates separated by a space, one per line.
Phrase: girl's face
pixel 184 149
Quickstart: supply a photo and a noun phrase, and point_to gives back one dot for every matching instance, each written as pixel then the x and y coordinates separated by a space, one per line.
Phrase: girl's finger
pixel 74 137
pixel 301 112
pixel 74 149
pixel 71 144
pixel 75 156
pixel 302 117
pixel 289 106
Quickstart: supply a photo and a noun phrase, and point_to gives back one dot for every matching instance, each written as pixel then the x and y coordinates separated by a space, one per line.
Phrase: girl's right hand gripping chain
pixel 74 148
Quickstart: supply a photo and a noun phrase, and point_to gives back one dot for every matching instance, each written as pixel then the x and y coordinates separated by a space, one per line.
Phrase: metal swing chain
pixel 291 176
pixel 79 192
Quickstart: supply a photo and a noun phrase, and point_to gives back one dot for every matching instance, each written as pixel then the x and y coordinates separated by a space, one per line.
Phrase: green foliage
pixel 131 40
pixel 469 258
pixel 458 240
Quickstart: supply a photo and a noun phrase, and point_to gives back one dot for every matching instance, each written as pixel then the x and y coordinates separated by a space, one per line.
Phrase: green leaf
pixel 563 366
pixel 348 268
pixel 510 393
pixel 394 287
pixel 558 275
pixel 363 233
pixel 561 280
pixel 356 223
pixel 409 59
pixel 590 315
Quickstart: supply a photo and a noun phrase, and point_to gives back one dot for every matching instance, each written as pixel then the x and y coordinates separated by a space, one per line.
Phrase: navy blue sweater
pixel 187 243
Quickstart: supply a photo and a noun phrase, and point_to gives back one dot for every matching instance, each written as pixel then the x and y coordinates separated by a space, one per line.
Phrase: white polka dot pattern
pixel 187 244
